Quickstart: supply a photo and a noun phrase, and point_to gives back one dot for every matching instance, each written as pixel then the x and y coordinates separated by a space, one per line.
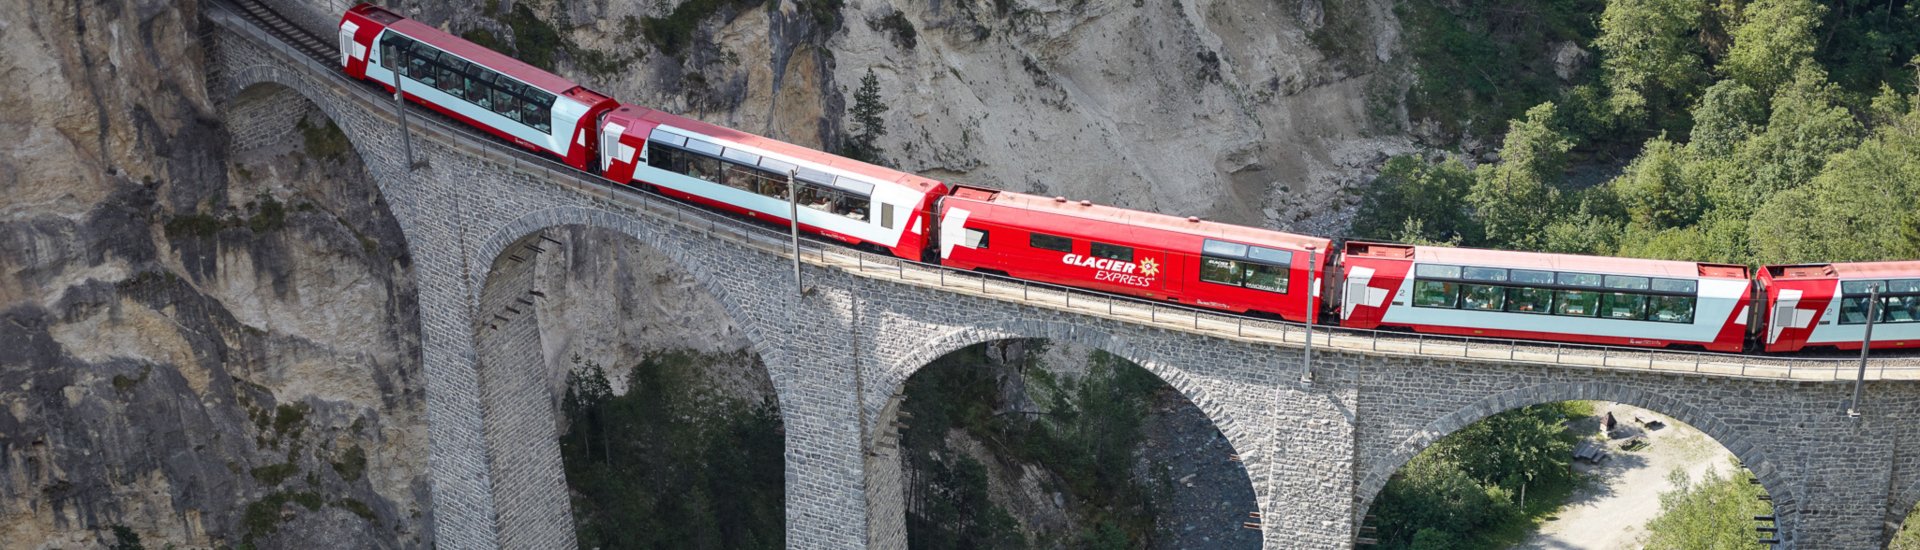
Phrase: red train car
pixel 720 167
pixel 1155 256
pixel 499 94
pixel 1560 297
pixel 1826 305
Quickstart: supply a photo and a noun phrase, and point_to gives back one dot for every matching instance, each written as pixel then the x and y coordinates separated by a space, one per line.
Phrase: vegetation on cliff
pixel 1467 489
pixel 1770 131
pixel 672 463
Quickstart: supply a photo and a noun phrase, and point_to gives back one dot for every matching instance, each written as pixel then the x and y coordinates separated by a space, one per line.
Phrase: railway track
pixel 284 29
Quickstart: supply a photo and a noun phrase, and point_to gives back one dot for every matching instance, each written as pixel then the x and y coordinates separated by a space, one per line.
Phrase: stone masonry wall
pixel 1316 451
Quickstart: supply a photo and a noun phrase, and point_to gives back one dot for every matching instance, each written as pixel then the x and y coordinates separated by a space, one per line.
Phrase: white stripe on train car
pixel 952 230
pixel 1715 300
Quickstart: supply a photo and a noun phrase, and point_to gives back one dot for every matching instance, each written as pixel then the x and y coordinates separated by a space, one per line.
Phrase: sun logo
pixel 1149 267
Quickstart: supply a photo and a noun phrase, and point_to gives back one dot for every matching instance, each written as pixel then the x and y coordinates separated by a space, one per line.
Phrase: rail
pixel 776 241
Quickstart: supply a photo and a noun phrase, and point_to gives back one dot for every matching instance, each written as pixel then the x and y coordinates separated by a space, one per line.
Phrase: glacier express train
pixel 1551 297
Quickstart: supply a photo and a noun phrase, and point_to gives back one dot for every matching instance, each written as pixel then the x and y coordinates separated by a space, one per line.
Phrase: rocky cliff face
pixel 1259 113
pixel 205 348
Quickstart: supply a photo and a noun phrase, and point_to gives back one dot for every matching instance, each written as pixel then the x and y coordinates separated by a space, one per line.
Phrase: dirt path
pixel 1612 511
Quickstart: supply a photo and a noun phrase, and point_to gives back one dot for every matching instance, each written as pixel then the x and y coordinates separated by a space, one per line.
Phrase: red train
pixel 1554 297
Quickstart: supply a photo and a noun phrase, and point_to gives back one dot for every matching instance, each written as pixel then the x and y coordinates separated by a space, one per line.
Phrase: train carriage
pixel 499 94
pixel 1154 256
pixel 1590 299
pixel 1826 305
pixel 840 198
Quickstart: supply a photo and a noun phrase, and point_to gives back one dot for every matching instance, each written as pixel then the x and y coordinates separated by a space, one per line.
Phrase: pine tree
pixel 867 121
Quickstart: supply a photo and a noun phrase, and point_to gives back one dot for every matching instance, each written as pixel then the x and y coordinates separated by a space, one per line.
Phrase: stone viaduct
pixel 1317 452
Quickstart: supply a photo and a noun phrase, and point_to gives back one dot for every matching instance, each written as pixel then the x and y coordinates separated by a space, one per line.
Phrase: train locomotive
pixel 1366 285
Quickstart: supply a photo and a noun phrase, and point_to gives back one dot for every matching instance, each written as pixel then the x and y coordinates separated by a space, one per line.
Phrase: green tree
pixel 1428 198
pixel 1514 199
pixel 1774 38
pixel 1860 207
pixel 1726 115
pixel 1655 190
pixel 1715 513
pixel 868 124
pixel 1807 125
pixel 1650 61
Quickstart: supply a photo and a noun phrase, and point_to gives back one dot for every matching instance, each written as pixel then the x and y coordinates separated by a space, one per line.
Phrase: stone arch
pixel 517 416
pixel 896 372
pixel 1380 469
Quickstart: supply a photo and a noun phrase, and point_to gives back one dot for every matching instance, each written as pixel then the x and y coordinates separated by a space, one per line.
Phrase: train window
pixel 1900 309
pixel 1223 248
pixel 1216 270
pixel 1264 277
pixel 508 105
pixel 976 238
pixel 668 138
pixel 702 146
pixel 448 80
pixel 1903 286
pixel 1528 299
pixel 1620 305
pixel 1853 310
pixel 773 186
pixel 815 177
pixel 1056 243
pixel 1485 274
pixel 1268 255
pixel 1626 283
pixel 1577 303
pixel 1578 279
pixel 1441 271
pixel 702 167
pixel 1483 297
pixel 1436 294
pixel 777 166
pixel 886 215
pixel 1669 309
pixel 1531 277
pixel 389 49
pixel 666 158
pixel 1674 285
pixel 741 157
pixel 1112 252
pixel 739 177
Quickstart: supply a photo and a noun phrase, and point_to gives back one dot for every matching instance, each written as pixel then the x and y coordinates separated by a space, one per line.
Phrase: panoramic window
pixel 1617 305
pixel 1528 299
pixel 1483 297
pixel 1578 303
pixel 1436 294
pixel 1900 309
pixel 1439 271
pixel 1485 274
pixel 1670 309
pixel 1264 277
pixel 1216 270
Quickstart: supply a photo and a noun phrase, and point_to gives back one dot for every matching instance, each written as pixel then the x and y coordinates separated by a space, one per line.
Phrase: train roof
pixel 519 70
pixel 1848 270
pixel 1147 220
pixel 1547 261
pixel 778 147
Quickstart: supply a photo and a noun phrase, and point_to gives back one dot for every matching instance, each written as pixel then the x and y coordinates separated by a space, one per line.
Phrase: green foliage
pixel 1462 492
pixel 670 464
pixel 262 517
pixel 1432 196
pixel 868 122
pixel 534 39
pixel 1510 197
pixel 1715 513
pixel 288 418
pixel 269 215
pixel 1651 60
pixel 125 539
pixel 674 33
pixel 485 39
pixel 1655 190
pixel 1908 538
pixel 358 508
pixel 1775 38
pixel 194 225
pixel 274 474
pixel 896 25
pixel 1859 208
pixel 324 142
pixel 352 464
pixel 1479 63
pixel 1727 114
pixel 1087 433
